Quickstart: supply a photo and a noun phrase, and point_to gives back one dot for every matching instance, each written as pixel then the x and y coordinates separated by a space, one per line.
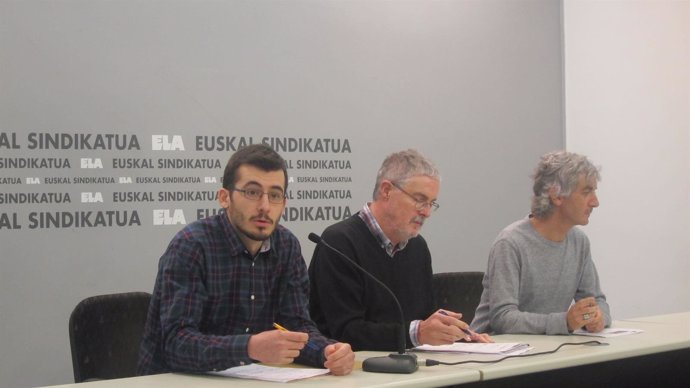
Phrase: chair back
pixel 459 292
pixel 105 332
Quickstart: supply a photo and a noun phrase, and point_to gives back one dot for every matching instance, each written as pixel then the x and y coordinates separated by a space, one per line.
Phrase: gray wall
pixel 476 85
pixel 628 91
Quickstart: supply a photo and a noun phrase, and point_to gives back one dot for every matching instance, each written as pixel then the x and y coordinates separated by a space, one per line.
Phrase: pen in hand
pixel 281 328
pixel 277 326
pixel 466 331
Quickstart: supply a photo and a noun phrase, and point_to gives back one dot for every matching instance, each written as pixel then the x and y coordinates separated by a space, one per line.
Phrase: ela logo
pixel 89 197
pixel 91 163
pixel 124 180
pixel 164 143
pixel 164 217
pixel 33 181
pixel 210 179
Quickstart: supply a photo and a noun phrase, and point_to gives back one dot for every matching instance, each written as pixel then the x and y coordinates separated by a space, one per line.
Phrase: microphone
pixel 393 363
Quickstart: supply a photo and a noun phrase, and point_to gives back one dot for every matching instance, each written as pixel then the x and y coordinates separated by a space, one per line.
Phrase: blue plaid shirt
pixel 211 295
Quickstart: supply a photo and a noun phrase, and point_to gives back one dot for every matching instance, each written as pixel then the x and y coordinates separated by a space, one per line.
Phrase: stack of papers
pixel 270 373
pixel 505 348
pixel 609 332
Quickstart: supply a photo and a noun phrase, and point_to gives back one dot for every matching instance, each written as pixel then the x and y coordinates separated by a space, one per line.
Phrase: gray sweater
pixel 530 282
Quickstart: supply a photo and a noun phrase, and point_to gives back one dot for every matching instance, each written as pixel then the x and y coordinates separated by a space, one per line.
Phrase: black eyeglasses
pixel 419 204
pixel 274 196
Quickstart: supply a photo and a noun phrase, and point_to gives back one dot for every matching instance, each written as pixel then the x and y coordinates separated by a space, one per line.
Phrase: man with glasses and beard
pixel 384 239
pixel 225 280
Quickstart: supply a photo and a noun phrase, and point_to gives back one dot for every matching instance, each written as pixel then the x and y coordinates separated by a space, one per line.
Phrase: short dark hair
pixel 257 155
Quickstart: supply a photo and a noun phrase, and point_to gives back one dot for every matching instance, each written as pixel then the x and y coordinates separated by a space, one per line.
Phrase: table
pixel 659 356
pixel 424 377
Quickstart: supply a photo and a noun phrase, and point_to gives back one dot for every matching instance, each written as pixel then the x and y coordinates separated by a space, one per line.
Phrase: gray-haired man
pixel 540 265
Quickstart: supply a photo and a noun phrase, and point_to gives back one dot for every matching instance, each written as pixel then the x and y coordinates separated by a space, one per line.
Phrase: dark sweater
pixel 349 306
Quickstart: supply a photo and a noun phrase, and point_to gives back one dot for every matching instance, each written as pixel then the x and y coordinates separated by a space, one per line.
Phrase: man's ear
pixel 224 198
pixel 385 189
pixel 556 200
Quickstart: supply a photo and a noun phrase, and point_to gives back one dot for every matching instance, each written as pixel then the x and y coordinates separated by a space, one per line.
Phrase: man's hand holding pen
pixel 445 327
pixel 340 358
pixel 276 346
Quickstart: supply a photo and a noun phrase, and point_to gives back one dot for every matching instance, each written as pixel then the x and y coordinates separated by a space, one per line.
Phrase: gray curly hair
pixel 559 170
pixel 399 166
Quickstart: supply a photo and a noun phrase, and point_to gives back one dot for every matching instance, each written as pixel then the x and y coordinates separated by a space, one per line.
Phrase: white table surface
pixel 661 333
pixel 424 377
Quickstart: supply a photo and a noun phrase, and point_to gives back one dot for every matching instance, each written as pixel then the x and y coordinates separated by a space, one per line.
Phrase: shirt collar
pixel 376 230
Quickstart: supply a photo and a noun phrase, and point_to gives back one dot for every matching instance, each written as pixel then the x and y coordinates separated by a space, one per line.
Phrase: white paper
pixel 504 348
pixel 608 332
pixel 270 373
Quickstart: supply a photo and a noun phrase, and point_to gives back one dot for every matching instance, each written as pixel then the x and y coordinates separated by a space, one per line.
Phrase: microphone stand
pixel 400 362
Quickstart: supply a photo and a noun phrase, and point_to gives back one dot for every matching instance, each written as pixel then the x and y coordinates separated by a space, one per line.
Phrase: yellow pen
pixel 309 343
pixel 277 326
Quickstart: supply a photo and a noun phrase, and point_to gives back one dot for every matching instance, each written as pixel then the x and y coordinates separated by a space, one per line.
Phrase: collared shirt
pixel 391 249
pixel 211 295
pixel 376 230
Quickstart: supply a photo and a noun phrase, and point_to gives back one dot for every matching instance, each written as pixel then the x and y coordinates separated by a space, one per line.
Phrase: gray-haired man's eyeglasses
pixel 420 205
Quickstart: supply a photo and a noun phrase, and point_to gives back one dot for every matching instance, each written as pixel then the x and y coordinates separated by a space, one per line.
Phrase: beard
pixel 417 220
pixel 254 236
pixel 405 234
pixel 242 224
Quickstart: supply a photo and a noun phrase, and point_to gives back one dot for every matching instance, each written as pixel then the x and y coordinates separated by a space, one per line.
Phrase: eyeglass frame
pixel 420 205
pixel 246 195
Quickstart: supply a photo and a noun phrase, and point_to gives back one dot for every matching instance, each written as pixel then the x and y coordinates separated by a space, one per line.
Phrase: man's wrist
pixel 414 332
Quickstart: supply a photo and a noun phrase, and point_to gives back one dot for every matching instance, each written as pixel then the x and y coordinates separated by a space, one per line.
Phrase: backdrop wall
pixel 628 108
pixel 168 90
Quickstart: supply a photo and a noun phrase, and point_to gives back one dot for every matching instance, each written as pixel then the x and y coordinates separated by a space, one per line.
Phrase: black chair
pixel 105 332
pixel 459 292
